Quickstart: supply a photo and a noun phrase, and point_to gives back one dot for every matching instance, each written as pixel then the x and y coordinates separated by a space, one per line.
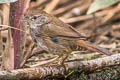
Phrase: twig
pixel 61 10
pixel 40 3
pixel 1 22
pixel 6 27
pixel 89 23
pixel 81 8
pixel 111 13
pixel 27 54
pixel 52 5
pixel 85 17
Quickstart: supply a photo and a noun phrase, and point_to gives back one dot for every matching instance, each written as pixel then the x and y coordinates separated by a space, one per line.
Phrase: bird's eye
pixel 35 17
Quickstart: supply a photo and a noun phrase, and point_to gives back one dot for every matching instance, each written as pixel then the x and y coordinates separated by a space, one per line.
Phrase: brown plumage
pixel 56 37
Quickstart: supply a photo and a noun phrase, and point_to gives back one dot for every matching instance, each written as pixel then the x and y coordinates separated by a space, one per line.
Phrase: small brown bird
pixel 57 37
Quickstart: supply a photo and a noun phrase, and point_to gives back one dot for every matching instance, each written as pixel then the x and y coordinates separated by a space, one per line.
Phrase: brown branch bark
pixel 17 12
pixel 58 70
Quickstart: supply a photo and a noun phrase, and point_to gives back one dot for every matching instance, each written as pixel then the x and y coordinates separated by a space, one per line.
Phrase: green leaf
pixel 69 74
pixel 7 1
pixel 100 4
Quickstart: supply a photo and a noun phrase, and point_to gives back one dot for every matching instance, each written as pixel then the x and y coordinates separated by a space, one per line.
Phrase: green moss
pixel 92 57
pixel 105 74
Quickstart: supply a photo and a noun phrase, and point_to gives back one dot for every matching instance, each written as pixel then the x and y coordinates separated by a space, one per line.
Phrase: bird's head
pixel 37 20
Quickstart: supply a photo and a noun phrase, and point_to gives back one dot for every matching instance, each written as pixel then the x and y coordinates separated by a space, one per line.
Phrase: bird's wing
pixel 60 29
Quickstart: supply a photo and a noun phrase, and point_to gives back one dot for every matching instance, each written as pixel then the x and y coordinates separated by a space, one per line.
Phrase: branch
pixel 59 70
pixel 18 10
pixel 32 73
pixel 95 64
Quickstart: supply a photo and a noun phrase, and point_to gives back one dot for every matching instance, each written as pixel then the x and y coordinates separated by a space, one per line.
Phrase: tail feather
pixel 93 47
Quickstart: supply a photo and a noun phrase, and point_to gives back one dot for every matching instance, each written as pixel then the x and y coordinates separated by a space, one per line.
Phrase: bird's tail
pixel 93 47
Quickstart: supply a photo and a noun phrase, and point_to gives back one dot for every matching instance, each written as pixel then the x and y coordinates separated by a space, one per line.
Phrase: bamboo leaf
pixel 7 1
pixel 100 4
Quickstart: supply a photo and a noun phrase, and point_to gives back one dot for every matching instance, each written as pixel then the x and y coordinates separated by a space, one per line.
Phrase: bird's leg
pixel 54 59
pixel 63 61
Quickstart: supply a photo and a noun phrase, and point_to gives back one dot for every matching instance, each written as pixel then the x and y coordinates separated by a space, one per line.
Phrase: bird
pixel 56 37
